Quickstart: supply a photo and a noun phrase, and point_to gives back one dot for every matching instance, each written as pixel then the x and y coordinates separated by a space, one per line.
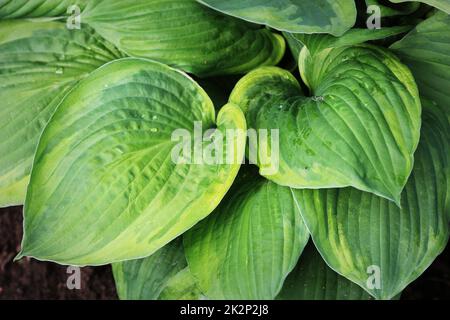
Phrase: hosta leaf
pixel 39 63
pixel 316 43
pixel 246 248
pixel 443 5
pixel 10 9
pixel 294 44
pixel 391 10
pixel 105 186
pixel 426 51
pixel 312 279
pixel 361 235
pixel 182 286
pixel 184 34
pixel 164 275
pixel 300 16
pixel 359 127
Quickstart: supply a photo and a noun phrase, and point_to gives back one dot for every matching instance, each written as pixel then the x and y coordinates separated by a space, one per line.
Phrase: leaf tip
pixel 19 256
pixel 398 201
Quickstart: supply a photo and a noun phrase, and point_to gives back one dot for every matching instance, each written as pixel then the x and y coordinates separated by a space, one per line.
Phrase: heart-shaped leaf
pixel 184 34
pixel 300 16
pixel 164 275
pixel 40 63
pixel 109 182
pixel 370 240
pixel 312 279
pixel 10 9
pixel 248 245
pixel 426 51
pixel 359 128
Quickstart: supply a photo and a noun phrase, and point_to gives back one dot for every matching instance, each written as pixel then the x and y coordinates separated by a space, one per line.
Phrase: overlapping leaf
pixel 316 43
pixel 390 9
pixel 164 275
pixel 182 286
pixel 294 44
pixel 248 245
pixel 312 279
pixel 363 236
pixel 359 128
pixel 443 5
pixel 39 63
pixel 10 9
pixel 426 51
pixel 105 184
pixel 302 16
pixel 184 34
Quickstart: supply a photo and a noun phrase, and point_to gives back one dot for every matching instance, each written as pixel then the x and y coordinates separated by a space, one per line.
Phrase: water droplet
pixel 106 86
pixel 280 106
pixel 155 117
pixel 59 70
pixel 154 129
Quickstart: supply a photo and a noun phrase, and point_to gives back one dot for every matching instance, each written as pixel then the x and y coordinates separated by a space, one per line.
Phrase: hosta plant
pixel 229 149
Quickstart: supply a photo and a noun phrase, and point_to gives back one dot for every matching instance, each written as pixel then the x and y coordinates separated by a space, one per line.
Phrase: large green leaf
pixel 316 43
pixel 248 245
pixel 182 286
pixel 10 9
pixel 358 233
pixel 359 127
pixel 443 5
pixel 301 16
pixel 184 34
pixel 294 44
pixel 426 51
pixel 164 275
pixel 393 10
pixel 312 279
pixel 39 63
pixel 105 184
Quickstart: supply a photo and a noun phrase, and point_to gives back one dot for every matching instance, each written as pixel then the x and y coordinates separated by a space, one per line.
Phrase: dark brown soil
pixel 31 279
